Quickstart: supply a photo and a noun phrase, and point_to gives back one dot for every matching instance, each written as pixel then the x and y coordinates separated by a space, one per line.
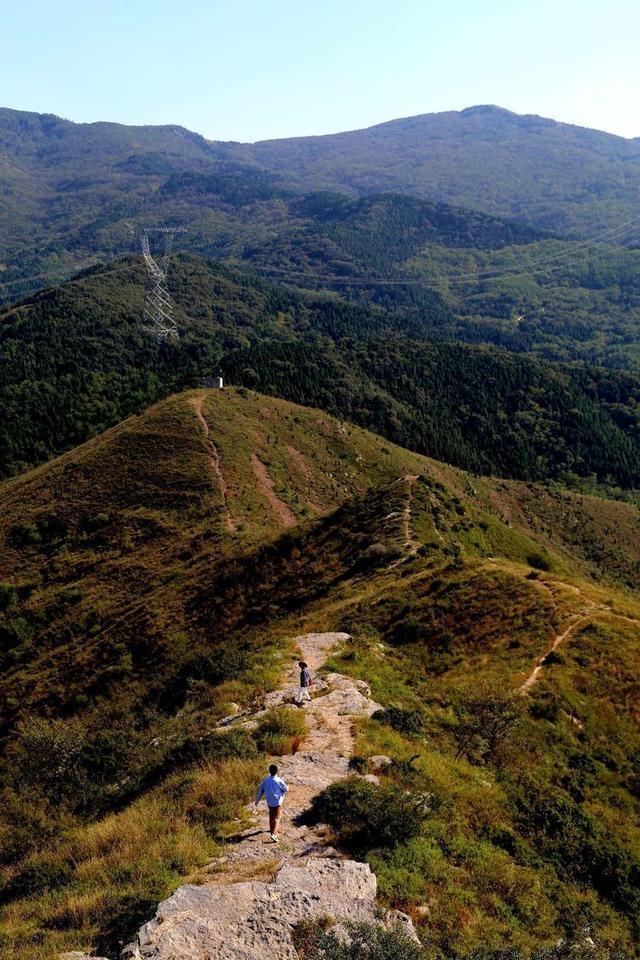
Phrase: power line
pixel 575 251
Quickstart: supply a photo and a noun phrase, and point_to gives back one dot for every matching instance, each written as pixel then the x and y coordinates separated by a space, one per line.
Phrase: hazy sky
pixel 249 70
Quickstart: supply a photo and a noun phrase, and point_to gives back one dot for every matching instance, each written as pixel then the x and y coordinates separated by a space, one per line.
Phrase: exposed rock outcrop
pixel 253 920
pixel 237 914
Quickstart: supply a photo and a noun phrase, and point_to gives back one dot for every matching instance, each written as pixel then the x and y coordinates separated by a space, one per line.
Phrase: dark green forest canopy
pixel 75 360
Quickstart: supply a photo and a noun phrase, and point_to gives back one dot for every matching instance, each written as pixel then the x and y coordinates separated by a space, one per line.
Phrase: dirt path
pixel 260 472
pixel 578 620
pixel 198 403
pixel 258 890
pixel 410 545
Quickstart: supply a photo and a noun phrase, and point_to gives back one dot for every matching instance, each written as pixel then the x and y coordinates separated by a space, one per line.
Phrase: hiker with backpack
pixel 273 789
pixel 305 683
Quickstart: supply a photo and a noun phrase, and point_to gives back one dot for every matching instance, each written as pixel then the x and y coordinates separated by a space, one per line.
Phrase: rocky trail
pixel 257 891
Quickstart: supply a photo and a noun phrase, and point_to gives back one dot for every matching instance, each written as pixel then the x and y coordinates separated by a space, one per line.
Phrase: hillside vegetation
pixel 157 574
pixel 76 360
pixel 75 194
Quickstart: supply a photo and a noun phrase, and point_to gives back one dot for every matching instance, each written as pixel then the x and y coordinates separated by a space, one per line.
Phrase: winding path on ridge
pixel 410 545
pixel 198 404
pixel 576 621
pixel 257 891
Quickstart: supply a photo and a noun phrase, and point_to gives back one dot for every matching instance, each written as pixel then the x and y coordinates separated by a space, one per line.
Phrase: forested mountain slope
pixel 155 577
pixel 75 193
pixel 550 174
pixel 76 360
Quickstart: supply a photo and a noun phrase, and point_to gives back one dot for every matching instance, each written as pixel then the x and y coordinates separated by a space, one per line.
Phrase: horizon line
pixel 334 133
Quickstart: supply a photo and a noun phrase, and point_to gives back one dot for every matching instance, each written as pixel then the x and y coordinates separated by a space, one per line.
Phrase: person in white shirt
pixel 273 789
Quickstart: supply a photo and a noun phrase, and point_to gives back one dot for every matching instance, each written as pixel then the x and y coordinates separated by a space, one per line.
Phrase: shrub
pixel 363 941
pixel 487 716
pixel 281 731
pixel 15 631
pixel 366 816
pixel 376 555
pixel 23 533
pixel 540 561
pixel 8 595
pixel 46 762
pixel 212 746
pixel 41 872
pixel 406 631
pixel 95 523
pixel 404 872
pixel 404 721
pixel 51 527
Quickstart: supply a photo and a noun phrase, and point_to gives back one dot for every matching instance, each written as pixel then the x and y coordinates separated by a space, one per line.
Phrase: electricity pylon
pixel 158 308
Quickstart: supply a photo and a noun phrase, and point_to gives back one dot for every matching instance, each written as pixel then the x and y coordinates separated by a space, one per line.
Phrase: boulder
pixel 253 919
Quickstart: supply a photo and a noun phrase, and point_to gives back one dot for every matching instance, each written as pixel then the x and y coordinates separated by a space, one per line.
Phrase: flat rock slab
pixel 254 920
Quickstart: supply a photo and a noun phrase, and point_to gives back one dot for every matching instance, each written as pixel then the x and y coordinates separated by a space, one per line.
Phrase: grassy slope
pixel 129 605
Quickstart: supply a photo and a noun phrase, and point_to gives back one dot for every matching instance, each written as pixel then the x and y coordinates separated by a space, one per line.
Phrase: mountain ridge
pixel 479 109
pixel 72 189
pixel 76 359
pixel 134 621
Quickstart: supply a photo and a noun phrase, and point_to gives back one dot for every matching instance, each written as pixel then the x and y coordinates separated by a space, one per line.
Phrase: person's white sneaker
pixel 274 838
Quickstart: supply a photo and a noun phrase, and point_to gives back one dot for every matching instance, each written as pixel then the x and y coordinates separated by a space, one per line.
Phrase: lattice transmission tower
pixel 158 308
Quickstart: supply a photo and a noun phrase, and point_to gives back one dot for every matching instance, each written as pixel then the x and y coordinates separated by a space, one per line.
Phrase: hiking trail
pixel 284 513
pixel 590 608
pixel 257 891
pixel 410 545
pixel 198 404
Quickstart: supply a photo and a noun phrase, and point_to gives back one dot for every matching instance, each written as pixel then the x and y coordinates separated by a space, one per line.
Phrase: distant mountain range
pixel 74 193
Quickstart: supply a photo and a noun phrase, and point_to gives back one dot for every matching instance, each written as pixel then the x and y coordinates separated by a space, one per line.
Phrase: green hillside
pixel 483 157
pixel 157 574
pixel 75 360
pixel 77 194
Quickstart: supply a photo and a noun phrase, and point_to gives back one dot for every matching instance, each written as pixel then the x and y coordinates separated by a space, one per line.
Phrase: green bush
pixel 540 561
pixel 23 533
pixel 8 595
pixel 367 816
pixel 404 721
pixel 41 872
pixel 404 872
pixel 487 716
pixel 364 941
pixel 406 631
pixel 211 747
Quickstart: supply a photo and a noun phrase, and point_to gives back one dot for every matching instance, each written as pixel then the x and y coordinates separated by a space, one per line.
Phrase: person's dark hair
pixel 273 769
pixel 302 664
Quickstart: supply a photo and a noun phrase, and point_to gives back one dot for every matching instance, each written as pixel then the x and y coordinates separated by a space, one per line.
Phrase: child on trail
pixel 273 789
pixel 305 683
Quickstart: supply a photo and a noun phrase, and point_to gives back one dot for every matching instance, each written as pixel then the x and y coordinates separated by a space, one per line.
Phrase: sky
pixel 256 69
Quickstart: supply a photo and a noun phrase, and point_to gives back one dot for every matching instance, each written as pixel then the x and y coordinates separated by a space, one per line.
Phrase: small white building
pixel 213 383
